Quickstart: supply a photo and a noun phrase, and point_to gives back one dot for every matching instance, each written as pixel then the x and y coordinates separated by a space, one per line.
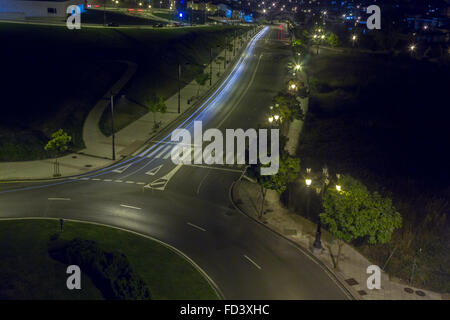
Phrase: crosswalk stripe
pixel 167 148
pixel 197 155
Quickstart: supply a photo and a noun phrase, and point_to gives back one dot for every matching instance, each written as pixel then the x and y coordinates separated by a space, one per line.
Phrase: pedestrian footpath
pixel 98 151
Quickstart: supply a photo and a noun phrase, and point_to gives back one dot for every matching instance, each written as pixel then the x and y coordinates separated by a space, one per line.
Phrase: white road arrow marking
pixel 161 183
pixel 122 169
pixel 153 171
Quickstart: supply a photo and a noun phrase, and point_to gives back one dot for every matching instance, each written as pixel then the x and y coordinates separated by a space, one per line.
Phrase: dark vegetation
pixel 110 271
pixel 54 76
pixel 29 272
pixel 95 16
pixel 384 120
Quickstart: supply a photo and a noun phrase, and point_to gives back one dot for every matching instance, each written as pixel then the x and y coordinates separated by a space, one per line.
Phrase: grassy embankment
pixel 55 76
pixel 384 120
pixel 97 16
pixel 28 272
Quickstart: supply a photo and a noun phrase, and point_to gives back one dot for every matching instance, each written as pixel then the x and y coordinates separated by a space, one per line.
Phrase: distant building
pixel 202 6
pixel 25 9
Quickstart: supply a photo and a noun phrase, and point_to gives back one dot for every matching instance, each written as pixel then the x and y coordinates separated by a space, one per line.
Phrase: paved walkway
pixel 352 265
pixel 98 152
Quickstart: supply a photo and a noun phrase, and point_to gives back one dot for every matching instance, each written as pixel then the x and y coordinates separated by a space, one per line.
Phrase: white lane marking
pixel 84 178
pixel 214 168
pixel 129 182
pixel 195 226
pixel 107 180
pixel 122 169
pixel 131 207
pixel 197 155
pixel 167 148
pixel 161 183
pixel 96 179
pixel 59 199
pixel 168 155
pixel 140 182
pixel 253 262
pixel 118 181
pixel 154 171
pixel 201 182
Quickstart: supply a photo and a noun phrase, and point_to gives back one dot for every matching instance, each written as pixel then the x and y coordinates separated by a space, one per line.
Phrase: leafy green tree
pixel 288 106
pixel 333 40
pixel 58 144
pixel 219 60
pixel 156 104
pixel 354 213
pixel 296 43
pixel 201 80
pixel 288 171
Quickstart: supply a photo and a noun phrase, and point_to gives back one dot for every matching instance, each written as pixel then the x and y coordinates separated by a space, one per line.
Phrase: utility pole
pixel 112 126
pixel 234 44
pixel 225 61
pixel 179 88
pixel 104 13
pixel 210 66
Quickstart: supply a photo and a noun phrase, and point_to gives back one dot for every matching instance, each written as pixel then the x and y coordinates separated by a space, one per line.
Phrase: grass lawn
pixel 95 16
pixel 28 272
pixel 384 120
pixel 54 76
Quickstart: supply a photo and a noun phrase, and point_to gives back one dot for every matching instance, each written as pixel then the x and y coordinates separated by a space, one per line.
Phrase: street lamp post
pixel 112 127
pixel 353 40
pixel 210 66
pixel 179 88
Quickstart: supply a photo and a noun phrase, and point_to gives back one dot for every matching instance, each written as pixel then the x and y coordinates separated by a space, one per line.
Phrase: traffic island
pixel 29 272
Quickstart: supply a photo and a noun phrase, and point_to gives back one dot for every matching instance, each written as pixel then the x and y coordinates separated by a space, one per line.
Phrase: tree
pixel 288 171
pixel 333 40
pixel 201 80
pixel 156 104
pixel 289 106
pixel 219 60
pixel 297 45
pixel 58 144
pixel 354 213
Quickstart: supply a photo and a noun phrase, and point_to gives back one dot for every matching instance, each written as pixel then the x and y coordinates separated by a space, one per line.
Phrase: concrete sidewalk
pixel 98 151
pixel 352 265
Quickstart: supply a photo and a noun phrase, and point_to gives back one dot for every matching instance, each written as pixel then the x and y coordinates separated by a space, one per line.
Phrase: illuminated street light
pixel 270 119
pixel 276 117
pixel 412 47
pixel 308 182
pixel 293 86
pixel 297 67
pixel 338 187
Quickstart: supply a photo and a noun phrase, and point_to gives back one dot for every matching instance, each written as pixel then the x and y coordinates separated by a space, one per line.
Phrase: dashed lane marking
pixel 195 226
pixel 253 262
pixel 130 207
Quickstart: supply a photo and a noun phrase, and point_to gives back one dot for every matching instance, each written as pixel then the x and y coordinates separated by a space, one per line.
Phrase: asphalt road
pixel 189 206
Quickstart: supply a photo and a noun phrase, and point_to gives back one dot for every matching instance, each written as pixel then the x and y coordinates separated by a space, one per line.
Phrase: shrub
pixel 110 271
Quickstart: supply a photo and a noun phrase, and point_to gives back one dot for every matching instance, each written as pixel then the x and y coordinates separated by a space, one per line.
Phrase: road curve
pixel 188 207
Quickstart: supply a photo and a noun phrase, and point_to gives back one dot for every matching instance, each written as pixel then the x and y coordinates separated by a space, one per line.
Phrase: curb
pixel 335 277
pixel 211 282
pixel 189 110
